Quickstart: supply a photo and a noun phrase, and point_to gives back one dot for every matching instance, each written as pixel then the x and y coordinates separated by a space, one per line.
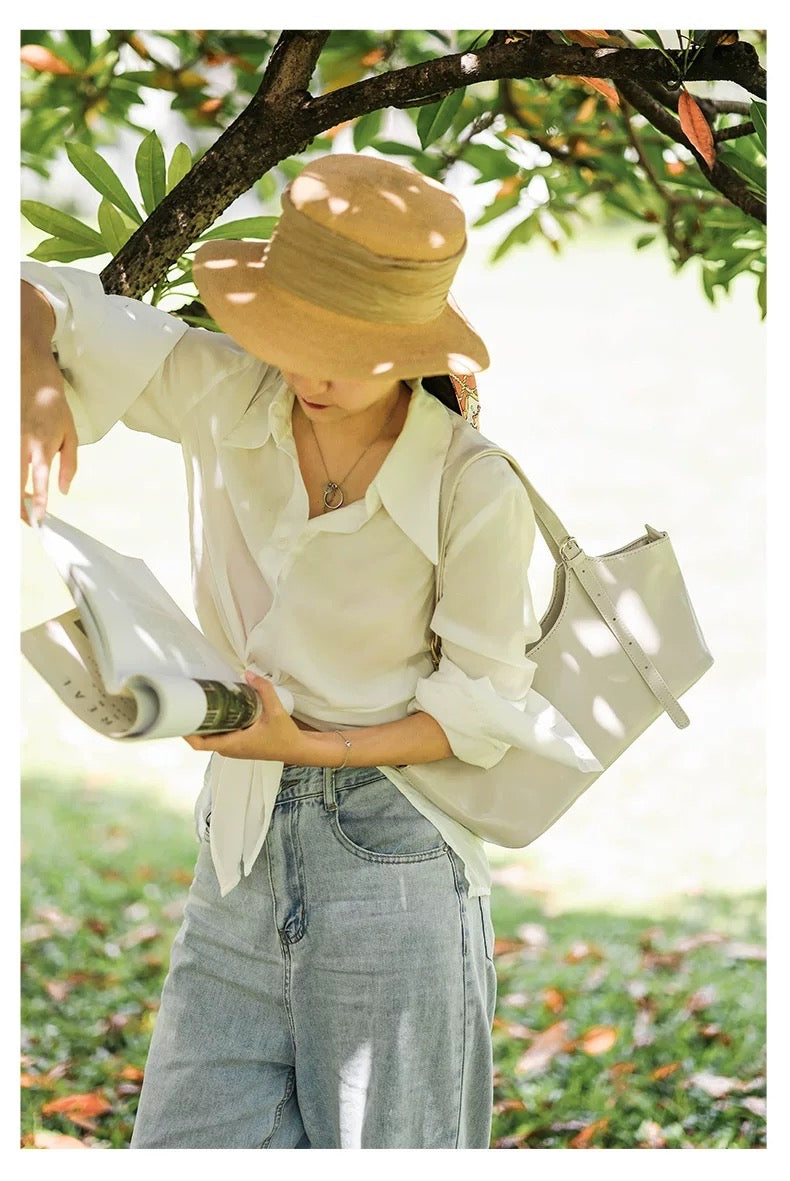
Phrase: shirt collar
pixel 407 484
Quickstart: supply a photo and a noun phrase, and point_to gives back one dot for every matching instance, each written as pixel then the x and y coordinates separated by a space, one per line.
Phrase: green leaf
pixel 653 36
pixel 116 228
pixel 245 227
pixel 709 283
pixel 497 208
pixel 754 174
pixel 60 225
pixel 150 166
pixel 367 128
pixel 759 114
pixel 180 164
pixel 391 147
pixel 518 236
pixel 81 40
pixel 95 169
pixel 644 240
pixel 56 250
pixel 435 119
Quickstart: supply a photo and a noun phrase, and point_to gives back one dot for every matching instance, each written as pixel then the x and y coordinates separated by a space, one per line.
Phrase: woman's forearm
pixel 417 738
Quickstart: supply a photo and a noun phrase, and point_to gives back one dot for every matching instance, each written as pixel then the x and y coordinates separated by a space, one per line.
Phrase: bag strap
pixel 566 551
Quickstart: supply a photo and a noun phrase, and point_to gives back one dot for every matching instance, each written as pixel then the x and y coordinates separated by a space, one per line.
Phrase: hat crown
pixel 390 210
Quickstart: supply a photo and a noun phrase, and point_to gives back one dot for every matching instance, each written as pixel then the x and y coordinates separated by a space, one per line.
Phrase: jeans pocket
pixel 376 822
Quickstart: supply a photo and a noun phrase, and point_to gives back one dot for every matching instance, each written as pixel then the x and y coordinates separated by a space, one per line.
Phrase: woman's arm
pixel 47 425
pixel 276 736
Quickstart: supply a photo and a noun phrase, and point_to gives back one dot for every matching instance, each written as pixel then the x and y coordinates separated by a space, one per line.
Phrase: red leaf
pixel 696 127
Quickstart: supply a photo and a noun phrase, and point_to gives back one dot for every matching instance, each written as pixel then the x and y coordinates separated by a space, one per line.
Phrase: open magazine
pixel 126 660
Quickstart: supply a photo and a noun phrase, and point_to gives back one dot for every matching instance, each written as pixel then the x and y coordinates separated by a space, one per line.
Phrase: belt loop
pixel 330 803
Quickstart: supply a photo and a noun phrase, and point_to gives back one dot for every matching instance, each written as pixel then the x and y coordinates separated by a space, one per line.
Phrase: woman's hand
pixel 275 735
pixel 47 425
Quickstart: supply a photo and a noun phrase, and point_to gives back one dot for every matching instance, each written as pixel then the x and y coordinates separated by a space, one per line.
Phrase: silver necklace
pixel 333 492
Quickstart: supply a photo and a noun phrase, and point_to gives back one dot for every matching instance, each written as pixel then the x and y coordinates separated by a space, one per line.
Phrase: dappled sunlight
pixel 241 297
pixel 606 718
pixel 394 199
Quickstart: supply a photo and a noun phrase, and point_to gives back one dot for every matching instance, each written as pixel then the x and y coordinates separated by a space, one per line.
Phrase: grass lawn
pixel 612 1030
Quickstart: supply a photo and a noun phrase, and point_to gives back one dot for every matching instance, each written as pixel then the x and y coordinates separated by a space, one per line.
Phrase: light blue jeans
pixel 341 996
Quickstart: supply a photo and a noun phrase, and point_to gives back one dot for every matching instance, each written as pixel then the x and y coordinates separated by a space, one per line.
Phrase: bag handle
pixel 566 551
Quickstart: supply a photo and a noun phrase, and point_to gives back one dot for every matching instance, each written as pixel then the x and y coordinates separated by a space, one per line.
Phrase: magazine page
pixel 162 707
pixel 135 627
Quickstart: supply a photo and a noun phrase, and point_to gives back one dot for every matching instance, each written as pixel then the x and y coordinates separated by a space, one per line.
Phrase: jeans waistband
pixel 298 782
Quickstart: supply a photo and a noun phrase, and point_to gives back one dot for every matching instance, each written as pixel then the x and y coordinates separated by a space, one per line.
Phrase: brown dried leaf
pixel 544 1047
pixel 604 88
pixel 554 999
pixel 146 933
pixel 696 127
pixel 134 1073
pixel 700 999
pixel 587 37
pixel 582 1140
pixel 666 1070
pixel 58 990
pixel 597 1039
pixel 587 109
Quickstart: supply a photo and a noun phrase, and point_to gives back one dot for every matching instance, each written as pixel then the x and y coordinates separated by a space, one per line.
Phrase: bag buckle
pixel 575 549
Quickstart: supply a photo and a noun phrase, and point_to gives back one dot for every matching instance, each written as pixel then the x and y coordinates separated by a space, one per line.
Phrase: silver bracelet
pixel 347 742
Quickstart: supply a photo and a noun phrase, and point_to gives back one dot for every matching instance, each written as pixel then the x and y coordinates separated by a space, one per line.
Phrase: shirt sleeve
pixel 125 360
pixel 481 693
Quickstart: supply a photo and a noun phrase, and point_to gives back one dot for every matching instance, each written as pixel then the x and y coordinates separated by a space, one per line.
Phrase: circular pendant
pixel 333 496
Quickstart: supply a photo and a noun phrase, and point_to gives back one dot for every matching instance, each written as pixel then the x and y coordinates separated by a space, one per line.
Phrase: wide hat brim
pixel 305 338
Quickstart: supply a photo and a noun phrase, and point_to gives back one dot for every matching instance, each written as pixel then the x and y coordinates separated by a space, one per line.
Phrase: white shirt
pixel 338 609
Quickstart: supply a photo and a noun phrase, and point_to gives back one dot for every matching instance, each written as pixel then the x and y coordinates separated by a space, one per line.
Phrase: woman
pixel 332 985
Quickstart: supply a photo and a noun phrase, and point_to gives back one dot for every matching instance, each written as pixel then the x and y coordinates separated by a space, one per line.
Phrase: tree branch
pixel 268 130
pixel 720 176
pixel 282 119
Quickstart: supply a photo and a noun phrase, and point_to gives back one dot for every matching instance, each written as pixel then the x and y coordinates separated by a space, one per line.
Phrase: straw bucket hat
pixel 354 283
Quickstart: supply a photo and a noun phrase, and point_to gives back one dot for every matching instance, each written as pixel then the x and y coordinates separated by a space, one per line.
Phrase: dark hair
pixel 442 388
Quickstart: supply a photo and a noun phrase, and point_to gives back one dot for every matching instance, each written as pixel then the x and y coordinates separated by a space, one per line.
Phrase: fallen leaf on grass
pixel 544 1047
pixel 755 1105
pixel 132 1072
pixel 582 1140
pixel 701 999
pixel 80 1109
pixel 505 946
pixel 58 990
pixel 513 1029
pixel 716 1085
pixel 57 919
pixel 146 933
pixel 51 1140
pixel 554 999
pixel 597 1039
pixel 665 1071
pixel 503 1105
pixel 652 1135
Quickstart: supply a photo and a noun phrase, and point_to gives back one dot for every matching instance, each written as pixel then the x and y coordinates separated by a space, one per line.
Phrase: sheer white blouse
pixel 337 609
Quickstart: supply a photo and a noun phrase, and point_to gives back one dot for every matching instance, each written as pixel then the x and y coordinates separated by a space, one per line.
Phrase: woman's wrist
pixel 324 748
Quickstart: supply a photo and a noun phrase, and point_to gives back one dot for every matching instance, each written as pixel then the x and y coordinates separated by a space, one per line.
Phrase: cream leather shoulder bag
pixel 619 644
